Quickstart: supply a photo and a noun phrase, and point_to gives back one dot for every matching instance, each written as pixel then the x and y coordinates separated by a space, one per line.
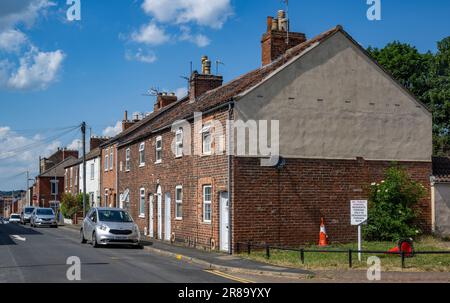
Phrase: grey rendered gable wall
pixel 335 103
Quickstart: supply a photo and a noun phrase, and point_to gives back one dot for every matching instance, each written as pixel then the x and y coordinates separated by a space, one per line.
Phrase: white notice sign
pixel 358 211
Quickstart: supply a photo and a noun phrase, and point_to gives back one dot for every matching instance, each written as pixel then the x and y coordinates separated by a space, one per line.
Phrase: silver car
pixel 43 217
pixel 25 215
pixel 103 226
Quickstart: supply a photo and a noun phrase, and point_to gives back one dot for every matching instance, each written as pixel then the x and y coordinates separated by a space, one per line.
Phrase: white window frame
pixel 142 154
pixel 92 171
pixel 158 150
pixel 206 131
pixel 178 201
pixel 107 160
pixel 54 185
pixel 127 159
pixel 179 143
pixel 111 158
pixel 207 202
pixel 142 202
pixel 66 180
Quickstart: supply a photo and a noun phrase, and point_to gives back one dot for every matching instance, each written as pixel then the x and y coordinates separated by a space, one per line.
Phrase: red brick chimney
pixel 126 124
pixel 276 41
pixel 164 99
pixel 95 142
pixel 201 83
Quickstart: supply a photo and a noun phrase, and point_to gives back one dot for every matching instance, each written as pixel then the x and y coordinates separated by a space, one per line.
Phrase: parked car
pixel 25 215
pixel 43 217
pixel 103 226
pixel 14 218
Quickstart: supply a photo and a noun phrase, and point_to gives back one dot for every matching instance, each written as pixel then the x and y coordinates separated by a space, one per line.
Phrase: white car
pixel 14 218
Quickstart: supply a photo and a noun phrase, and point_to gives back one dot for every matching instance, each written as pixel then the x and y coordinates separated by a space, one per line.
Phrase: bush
pixel 71 205
pixel 392 214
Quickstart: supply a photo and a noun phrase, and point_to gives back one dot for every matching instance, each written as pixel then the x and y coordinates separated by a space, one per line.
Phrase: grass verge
pixel 326 261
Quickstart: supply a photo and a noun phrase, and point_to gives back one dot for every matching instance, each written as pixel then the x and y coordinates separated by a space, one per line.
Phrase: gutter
pixel 230 209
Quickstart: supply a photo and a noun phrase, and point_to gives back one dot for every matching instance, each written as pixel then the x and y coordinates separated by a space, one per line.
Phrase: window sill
pixel 179 219
pixel 179 157
pixel 142 216
pixel 158 162
pixel 142 165
pixel 207 222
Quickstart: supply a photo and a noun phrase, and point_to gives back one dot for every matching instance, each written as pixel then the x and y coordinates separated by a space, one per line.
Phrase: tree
pixel 392 213
pixel 427 76
pixel 71 205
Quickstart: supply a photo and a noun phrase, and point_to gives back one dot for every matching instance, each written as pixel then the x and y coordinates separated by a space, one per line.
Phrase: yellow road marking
pixel 227 276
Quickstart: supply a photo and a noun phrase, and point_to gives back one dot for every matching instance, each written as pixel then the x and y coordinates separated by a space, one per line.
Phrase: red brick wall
pixel 43 190
pixel 108 178
pixel 192 172
pixel 284 207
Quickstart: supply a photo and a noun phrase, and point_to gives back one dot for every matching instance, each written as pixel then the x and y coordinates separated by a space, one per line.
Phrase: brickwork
pixel 285 206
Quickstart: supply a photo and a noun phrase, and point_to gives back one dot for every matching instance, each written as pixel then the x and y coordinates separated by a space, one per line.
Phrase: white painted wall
pixel 92 180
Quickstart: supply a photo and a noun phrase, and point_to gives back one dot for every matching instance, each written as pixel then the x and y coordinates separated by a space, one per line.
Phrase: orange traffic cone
pixel 323 237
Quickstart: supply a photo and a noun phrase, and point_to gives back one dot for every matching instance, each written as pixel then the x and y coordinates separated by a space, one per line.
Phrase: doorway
pixel 167 219
pixel 224 222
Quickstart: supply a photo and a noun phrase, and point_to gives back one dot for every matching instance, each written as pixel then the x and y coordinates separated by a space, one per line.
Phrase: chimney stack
pixel 164 99
pixel 275 41
pixel 204 82
pixel 126 124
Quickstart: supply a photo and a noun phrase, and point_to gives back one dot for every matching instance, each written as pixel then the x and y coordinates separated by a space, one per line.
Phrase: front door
pixel 159 210
pixel 150 215
pixel 224 222
pixel 167 220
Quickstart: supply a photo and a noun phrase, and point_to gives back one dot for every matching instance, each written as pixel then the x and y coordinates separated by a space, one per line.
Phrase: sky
pixel 56 73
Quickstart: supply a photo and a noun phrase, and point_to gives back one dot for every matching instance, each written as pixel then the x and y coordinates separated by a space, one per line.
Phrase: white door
pixel 150 215
pixel 167 220
pixel 159 210
pixel 224 222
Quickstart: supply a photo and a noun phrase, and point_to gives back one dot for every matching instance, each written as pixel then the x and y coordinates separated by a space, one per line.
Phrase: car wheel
pixel 82 239
pixel 94 240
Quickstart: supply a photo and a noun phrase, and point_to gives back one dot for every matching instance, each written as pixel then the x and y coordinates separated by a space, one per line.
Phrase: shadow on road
pixel 7 231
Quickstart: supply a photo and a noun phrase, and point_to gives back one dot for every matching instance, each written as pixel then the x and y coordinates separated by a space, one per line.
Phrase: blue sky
pixel 55 73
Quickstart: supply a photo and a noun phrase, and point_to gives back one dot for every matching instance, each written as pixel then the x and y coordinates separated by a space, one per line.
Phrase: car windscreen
pixel 29 210
pixel 45 212
pixel 114 216
pixel 15 217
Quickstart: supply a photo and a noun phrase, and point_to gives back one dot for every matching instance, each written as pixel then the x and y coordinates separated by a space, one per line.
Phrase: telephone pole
pixel 83 131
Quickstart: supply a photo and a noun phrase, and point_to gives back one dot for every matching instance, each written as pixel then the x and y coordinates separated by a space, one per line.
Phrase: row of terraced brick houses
pixel 265 156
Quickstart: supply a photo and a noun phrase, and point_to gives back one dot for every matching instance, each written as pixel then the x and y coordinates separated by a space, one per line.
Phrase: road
pixel 40 255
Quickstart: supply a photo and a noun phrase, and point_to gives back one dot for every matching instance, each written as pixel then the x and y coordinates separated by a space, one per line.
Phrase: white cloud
pixel 141 56
pixel 112 131
pixel 211 13
pixel 150 34
pixel 19 153
pixel 36 70
pixel 21 12
pixel 75 145
pixel 181 92
pixel 199 39
pixel 12 40
pixel 28 67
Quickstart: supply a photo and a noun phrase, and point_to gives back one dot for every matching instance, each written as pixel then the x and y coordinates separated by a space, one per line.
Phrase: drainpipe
pixel 116 168
pixel 230 208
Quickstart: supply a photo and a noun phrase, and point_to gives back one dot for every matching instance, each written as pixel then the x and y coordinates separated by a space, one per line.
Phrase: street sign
pixel 358 215
pixel 358 212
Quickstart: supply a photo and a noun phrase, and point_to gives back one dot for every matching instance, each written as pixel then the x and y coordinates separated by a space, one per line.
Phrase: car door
pixel 87 225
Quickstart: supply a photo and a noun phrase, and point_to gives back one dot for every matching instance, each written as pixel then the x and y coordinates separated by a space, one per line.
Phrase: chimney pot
pixel 125 118
pixel 269 23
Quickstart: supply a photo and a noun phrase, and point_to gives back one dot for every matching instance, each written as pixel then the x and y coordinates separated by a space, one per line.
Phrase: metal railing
pixel 302 251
